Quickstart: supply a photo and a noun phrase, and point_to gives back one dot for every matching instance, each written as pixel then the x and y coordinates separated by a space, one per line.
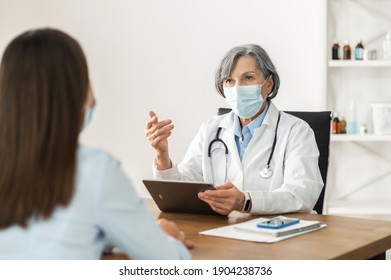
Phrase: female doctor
pixel 261 160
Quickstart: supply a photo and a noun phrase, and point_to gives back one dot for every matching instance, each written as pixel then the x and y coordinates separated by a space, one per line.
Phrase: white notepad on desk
pixel 249 231
pixel 300 227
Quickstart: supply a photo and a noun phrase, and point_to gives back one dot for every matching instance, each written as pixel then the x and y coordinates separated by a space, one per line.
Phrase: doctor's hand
pixel 157 132
pixel 171 229
pixel 225 199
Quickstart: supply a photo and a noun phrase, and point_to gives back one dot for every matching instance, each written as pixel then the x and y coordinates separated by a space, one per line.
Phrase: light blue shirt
pixel 105 206
pixel 245 134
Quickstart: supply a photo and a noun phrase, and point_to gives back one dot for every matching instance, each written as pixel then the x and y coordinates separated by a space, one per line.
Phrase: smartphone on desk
pixel 278 222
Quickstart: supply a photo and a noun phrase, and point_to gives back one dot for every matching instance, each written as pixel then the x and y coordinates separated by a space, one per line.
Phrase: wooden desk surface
pixel 343 238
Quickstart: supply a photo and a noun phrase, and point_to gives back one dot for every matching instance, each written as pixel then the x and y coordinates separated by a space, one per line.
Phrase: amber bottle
pixel 335 125
pixel 346 51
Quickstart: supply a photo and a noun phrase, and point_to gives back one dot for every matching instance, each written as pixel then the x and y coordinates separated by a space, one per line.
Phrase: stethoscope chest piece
pixel 266 171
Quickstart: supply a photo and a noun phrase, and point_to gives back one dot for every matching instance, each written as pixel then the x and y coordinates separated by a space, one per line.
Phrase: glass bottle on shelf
pixel 335 125
pixel 346 51
pixel 342 124
pixel 335 51
pixel 359 51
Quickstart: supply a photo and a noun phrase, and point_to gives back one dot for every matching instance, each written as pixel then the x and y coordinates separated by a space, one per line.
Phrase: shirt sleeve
pixel 126 221
pixel 302 182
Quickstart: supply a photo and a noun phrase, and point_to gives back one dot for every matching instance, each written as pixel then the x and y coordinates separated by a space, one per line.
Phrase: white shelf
pixel 359 138
pixel 359 63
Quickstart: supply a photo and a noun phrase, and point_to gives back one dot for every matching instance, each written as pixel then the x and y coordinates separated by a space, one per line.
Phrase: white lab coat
pixel 296 181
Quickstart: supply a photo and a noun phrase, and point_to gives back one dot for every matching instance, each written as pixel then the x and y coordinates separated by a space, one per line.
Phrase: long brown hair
pixel 43 89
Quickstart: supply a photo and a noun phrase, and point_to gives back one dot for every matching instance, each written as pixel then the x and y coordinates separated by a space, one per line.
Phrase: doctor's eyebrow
pixel 249 72
pixel 244 74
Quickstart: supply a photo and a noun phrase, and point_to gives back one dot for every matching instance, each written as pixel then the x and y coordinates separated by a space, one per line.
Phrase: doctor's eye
pixel 229 82
pixel 249 78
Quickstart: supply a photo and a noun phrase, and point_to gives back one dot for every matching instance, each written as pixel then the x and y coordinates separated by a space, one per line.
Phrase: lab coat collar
pixel 271 116
pixel 227 124
pixel 228 120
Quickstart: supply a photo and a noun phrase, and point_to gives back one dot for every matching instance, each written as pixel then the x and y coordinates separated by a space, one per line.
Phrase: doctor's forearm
pixel 163 161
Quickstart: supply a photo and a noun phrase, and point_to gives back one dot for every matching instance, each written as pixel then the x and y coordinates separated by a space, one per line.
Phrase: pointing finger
pixel 152 114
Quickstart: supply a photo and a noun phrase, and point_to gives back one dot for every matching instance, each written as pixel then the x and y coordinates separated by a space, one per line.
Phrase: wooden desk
pixel 343 238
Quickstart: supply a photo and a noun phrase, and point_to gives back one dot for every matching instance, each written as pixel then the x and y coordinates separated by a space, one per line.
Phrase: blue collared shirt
pixel 104 206
pixel 244 135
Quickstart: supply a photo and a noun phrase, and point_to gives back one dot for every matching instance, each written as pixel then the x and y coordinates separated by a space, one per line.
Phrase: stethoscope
pixel 265 171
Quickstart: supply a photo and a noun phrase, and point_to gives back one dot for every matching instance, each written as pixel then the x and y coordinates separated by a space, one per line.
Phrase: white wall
pixel 161 55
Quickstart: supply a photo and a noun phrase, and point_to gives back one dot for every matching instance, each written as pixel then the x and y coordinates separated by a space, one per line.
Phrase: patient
pixel 60 199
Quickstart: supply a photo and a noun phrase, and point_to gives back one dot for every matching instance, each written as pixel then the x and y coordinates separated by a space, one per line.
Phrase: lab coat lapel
pixel 271 117
pixel 229 138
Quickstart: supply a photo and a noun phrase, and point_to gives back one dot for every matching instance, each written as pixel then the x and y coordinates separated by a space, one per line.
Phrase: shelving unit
pixel 360 81
pixel 359 63
pixel 359 177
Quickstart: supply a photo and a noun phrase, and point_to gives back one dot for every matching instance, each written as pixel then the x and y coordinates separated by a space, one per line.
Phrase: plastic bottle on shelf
pixel 387 45
pixel 365 55
pixel 363 129
pixel 335 51
pixel 346 50
pixel 335 125
pixel 359 51
pixel 352 122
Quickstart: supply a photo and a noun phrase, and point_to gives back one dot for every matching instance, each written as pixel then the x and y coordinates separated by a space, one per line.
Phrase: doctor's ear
pixel 270 84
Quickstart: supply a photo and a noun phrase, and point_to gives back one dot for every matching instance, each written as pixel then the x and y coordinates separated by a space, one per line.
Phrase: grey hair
pixel 263 60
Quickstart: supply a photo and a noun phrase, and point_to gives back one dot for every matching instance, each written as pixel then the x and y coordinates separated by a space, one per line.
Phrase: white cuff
pixel 170 174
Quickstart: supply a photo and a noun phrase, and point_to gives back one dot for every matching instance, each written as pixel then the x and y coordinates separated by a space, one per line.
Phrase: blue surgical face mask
pixel 89 112
pixel 245 101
